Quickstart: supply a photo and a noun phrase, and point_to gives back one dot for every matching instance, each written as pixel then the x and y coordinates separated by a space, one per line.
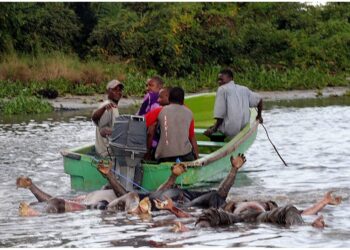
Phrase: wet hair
pixel 208 200
pixel 177 95
pixel 230 206
pixel 102 205
pixel 158 80
pixel 216 217
pixel 227 72
pixel 271 205
pixel 56 205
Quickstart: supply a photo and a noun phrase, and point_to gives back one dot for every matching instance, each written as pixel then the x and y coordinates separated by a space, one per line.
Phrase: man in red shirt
pixel 174 140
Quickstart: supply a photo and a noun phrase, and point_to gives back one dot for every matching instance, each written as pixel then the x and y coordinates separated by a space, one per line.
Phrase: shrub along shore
pixel 24 81
pixel 54 49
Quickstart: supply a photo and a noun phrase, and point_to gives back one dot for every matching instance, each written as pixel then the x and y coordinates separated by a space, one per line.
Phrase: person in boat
pixel 150 100
pixel 104 116
pixel 153 130
pixel 176 142
pixel 232 103
pixel 163 100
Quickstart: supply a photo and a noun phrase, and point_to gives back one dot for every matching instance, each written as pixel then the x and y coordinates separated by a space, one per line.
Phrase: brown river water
pixel 313 137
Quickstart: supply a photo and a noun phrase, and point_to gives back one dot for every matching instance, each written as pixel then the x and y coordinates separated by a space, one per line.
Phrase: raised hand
pixel 332 200
pixel 238 161
pixel 104 169
pixel 23 182
pixel 178 169
pixel 110 106
pixel 105 132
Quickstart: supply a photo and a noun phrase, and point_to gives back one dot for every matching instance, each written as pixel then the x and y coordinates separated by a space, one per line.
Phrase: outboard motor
pixel 128 144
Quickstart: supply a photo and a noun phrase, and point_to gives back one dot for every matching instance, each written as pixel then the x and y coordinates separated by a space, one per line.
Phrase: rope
pixel 268 137
pixel 127 179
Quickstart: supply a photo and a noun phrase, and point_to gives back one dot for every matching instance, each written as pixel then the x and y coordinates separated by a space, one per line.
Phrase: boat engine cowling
pixel 128 144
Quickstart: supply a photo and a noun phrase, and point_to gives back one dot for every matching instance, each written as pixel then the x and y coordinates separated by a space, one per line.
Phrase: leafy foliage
pixel 23 104
pixel 37 27
pixel 179 40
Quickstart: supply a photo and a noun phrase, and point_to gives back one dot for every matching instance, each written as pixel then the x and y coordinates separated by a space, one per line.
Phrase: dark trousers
pixel 187 157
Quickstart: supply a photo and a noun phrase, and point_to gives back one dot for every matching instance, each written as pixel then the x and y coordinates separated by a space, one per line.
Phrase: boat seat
pixel 199 130
pixel 211 144
pixel 217 136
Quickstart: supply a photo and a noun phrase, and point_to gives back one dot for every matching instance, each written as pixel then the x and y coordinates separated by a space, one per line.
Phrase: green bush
pixel 37 27
pixel 269 45
pixel 23 104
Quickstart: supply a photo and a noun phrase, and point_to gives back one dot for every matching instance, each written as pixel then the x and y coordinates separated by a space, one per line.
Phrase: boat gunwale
pixel 221 152
pixel 206 163
pixel 230 146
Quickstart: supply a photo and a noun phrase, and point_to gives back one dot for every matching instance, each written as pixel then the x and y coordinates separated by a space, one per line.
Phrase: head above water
pixel 115 90
pixel 163 98
pixel 56 205
pixel 154 84
pixel 177 95
pixel 270 205
pixel 225 76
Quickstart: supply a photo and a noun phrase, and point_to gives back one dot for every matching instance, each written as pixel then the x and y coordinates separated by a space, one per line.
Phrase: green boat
pixel 211 167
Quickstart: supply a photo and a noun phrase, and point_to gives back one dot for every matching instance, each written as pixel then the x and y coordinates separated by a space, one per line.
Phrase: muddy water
pixel 313 137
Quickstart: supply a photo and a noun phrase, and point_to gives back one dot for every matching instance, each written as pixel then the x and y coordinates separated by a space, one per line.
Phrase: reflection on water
pixel 314 140
pixel 314 102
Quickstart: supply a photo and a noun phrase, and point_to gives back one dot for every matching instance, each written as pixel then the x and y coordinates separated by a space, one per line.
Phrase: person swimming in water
pixel 252 212
pixel 118 198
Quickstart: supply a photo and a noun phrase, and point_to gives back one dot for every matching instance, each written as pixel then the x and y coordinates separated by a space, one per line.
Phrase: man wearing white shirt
pixel 232 104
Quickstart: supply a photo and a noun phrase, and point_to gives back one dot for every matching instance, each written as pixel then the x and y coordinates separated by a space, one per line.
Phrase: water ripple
pixel 315 142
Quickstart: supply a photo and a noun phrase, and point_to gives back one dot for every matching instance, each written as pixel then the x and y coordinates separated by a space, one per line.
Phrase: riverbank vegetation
pixel 75 48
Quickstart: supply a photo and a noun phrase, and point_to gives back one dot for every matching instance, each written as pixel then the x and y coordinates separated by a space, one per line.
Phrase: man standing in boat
pixel 105 115
pixel 232 104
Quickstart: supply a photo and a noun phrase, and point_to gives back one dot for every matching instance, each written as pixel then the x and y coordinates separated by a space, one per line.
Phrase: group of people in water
pixel 164 111
pixel 219 210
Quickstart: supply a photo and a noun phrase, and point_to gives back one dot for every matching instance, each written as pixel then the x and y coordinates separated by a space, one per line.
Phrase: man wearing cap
pixel 105 115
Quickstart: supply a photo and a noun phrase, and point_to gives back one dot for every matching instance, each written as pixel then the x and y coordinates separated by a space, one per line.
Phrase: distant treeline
pixel 179 39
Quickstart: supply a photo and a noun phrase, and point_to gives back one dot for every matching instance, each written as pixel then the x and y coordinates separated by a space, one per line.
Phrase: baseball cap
pixel 114 83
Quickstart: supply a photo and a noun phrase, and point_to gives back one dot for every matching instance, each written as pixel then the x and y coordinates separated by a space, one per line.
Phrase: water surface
pixel 312 136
